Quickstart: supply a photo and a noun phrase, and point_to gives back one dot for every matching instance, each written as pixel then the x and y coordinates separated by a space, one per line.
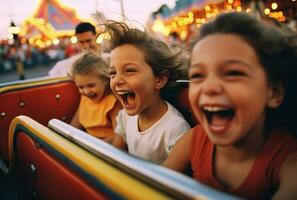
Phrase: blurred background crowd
pixel 46 35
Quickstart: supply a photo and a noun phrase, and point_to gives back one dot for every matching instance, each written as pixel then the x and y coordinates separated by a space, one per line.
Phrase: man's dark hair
pixel 85 27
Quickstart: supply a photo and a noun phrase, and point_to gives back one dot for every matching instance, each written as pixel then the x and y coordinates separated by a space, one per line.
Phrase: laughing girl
pixel 243 92
pixel 140 67
pixel 98 107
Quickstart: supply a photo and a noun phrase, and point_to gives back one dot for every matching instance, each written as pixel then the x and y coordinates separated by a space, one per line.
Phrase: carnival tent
pixel 51 20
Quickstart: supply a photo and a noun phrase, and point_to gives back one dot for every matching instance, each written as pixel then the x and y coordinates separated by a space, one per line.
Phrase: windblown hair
pixel 277 52
pixel 91 64
pixel 157 54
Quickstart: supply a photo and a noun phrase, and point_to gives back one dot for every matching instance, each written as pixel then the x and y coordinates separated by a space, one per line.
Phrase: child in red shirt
pixel 243 92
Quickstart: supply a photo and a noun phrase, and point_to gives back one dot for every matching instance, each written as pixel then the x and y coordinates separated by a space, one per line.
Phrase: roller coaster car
pixel 42 157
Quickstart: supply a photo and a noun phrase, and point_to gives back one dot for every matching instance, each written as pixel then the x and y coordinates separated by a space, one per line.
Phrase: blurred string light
pixel 102 37
pixel 73 39
pixel 13 33
pixel 14 29
pixel 267 11
pixel 274 6
pixel 181 23
pixel 56 41
pixel 184 21
pixel 48 43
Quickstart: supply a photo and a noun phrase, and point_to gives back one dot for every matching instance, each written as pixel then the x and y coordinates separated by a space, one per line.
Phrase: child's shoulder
pixel 109 100
pixel 110 97
pixel 173 113
pixel 123 116
pixel 173 119
pixel 279 144
pixel 283 135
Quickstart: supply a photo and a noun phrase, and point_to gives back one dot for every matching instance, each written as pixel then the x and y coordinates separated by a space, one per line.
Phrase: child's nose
pixel 212 86
pixel 118 79
pixel 86 91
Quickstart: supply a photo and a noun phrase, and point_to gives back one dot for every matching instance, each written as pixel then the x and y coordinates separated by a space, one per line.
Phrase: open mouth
pixel 128 97
pixel 92 96
pixel 218 117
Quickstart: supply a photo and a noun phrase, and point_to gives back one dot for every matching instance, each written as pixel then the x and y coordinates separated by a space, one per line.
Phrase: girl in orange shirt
pixel 98 107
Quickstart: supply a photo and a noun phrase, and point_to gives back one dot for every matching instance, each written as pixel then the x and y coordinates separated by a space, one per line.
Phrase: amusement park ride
pixel 42 157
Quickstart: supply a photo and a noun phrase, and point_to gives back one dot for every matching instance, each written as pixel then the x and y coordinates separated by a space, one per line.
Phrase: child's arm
pixel 75 122
pixel 112 117
pixel 113 114
pixel 288 179
pixel 119 142
pixel 179 158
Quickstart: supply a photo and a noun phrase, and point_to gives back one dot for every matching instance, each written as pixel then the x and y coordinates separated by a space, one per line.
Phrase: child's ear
pixel 161 80
pixel 277 96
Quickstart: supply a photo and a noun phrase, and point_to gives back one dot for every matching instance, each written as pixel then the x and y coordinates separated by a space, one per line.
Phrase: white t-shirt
pixel 63 67
pixel 155 143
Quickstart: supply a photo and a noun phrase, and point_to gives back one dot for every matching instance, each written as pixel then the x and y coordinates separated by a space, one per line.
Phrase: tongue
pixel 218 120
pixel 130 99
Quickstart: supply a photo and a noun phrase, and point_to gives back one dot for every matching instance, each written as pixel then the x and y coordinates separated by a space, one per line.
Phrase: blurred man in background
pixel 86 36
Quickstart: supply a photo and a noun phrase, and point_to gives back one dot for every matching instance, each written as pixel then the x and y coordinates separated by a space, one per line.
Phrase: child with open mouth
pixel 243 79
pixel 140 67
pixel 98 107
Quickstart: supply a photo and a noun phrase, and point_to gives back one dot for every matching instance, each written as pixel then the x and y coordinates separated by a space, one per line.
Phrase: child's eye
pixel 196 76
pixel 130 69
pixel 112 73
pixel 235 73
pixel 91 85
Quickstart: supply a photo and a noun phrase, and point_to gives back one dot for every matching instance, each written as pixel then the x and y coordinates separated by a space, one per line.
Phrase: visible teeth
pixel 214 108
pixel 123 92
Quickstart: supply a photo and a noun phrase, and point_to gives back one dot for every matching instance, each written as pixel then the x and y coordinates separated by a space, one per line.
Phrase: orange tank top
pixel 96 117
pixel 263 179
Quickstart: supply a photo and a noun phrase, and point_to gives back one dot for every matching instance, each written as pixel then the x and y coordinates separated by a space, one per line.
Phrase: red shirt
pixel 263 179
